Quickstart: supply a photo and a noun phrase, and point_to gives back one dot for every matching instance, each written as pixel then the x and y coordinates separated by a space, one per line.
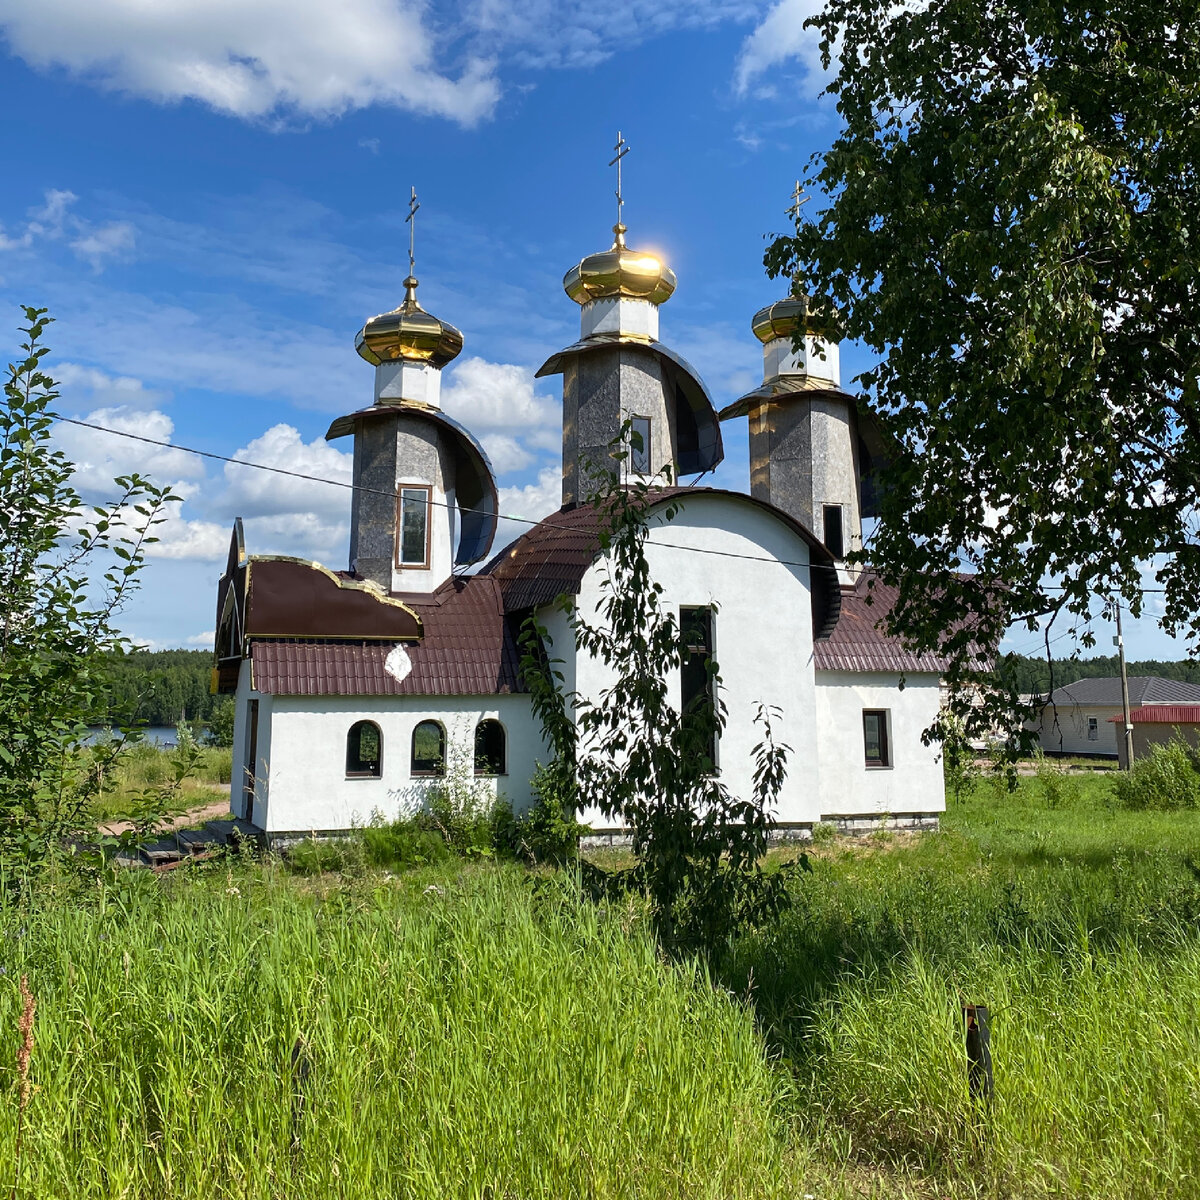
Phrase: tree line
pixel 159 687
pixel 1035 674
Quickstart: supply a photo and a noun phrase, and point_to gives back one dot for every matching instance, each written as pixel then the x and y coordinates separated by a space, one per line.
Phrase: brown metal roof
pixel 553 557
pixel 858 644
pixel 467 649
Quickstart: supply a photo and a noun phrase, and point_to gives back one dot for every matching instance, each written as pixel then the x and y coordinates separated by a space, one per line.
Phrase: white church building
pixel 357 690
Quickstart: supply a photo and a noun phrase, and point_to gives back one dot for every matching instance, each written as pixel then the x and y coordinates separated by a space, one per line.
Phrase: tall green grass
pixel 1078 925
pixel 248 1035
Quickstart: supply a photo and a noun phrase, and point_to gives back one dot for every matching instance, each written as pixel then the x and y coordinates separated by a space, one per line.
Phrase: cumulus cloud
pixel 497 402
pixel 778 38
pixel 249 492
pixel 533 502
pixel 255 58
pixel 179 538
pixel 99 457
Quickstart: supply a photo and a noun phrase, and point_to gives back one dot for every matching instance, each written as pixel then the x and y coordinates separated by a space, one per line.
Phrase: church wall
pixel 309 788
pixel 913 783
pixel 762 635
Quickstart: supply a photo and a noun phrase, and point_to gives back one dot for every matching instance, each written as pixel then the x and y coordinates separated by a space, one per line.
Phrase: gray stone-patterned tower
pixel 620 371
pixel 807 455
pixel 425 497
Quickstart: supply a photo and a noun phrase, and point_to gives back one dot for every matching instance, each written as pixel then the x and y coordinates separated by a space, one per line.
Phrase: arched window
pixel 490 748
pixel 364 751
pixel 429 749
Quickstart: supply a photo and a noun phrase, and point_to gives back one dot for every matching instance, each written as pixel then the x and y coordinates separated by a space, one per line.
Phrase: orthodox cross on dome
pixel 410 221
pixel 799 200
pixel 622 149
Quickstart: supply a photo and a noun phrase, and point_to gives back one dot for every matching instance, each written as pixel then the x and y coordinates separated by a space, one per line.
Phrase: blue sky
pixel 209 196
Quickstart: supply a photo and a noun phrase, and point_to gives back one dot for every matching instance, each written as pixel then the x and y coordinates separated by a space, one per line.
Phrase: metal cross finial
pixel 799 199
pixel 412 228
pixel 622 149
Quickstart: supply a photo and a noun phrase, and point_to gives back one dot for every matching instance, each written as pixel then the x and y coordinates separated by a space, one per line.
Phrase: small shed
pixel 1158 723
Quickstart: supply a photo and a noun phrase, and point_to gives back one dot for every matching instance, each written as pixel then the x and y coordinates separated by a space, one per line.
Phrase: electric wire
pixel 242 462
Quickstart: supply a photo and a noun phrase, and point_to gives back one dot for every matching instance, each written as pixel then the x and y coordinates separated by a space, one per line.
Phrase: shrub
pixel 1058 788
pixel 1166 778
pixel 545 833
pixel 401 844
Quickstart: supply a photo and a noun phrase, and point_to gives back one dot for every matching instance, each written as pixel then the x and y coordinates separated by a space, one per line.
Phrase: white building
pixel 1086 717
pixel 357 690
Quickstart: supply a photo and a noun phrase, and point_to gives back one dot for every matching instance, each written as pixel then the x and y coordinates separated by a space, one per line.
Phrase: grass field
pixel 475 1030
pixel 146 766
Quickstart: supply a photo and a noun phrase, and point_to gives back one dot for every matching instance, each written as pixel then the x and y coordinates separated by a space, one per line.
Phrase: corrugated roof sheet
pixel 1162 714
pixel 858 644
pixel 468 649
pixel 1143 689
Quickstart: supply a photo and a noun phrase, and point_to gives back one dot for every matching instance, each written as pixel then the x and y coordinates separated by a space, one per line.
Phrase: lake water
pixel 158 735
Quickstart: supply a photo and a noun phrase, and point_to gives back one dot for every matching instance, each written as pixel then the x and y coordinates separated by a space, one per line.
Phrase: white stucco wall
pixel 762 634
pixel 307 756
pixel 1069 735
pixel 914 782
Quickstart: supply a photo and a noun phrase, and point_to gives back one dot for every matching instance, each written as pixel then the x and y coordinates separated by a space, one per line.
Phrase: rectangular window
pixel 412 536
pixel 639 445
pixel 698 693
pixel 834 541
pixel 1093 729
pixel 875 737
pixel 250 766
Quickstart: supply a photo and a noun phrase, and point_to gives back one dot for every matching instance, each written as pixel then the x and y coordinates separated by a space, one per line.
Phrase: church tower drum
pixel 424 497
pixel 807 453
pixel 619 371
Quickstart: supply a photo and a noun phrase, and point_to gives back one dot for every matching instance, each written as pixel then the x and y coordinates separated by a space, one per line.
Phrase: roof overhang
pixel 474 480
pixel 874 445
pixel 686 384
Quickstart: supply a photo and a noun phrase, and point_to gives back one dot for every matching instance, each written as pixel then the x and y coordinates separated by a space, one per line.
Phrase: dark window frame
pixel 836 545
pixel 704 650
pixel 503 756
pixel 884 762
pixel 437 771
pixel 425 563
pixel 641 461
pixel 354 747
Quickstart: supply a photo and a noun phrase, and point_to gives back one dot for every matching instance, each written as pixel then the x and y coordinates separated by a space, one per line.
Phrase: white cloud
pixel 205 639
pixel 99 457
pixel 497 402
pixel 779 37
pixel 106 241
pixel 179 538
pixel 533 502
pixel 252 493
pixel 576 34
pixel 98 389
pixel 254 58
pixel 53 220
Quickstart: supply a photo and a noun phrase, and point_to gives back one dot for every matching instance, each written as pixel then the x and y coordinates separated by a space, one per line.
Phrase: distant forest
pixel 157 687
pixel 1033 674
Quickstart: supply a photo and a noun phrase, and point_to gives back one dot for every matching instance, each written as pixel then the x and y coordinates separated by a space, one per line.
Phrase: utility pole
pixel 1116 603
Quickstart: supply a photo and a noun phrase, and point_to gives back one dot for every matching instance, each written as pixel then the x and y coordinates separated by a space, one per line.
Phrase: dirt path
pixel 211 810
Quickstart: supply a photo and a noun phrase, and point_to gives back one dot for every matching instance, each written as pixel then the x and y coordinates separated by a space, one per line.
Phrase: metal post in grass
pixel 979 1052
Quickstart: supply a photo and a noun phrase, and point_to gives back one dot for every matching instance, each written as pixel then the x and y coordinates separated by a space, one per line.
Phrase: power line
pixel 243 462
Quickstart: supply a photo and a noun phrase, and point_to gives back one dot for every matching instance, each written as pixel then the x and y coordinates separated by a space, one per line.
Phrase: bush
pixel 547 832
pixel 1166 778
pixel 1058 787
pixel 401 844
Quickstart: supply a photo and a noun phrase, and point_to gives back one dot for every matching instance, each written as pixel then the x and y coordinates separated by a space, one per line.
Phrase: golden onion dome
pixel 620 271
pixel 785 318
pixel 408 333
